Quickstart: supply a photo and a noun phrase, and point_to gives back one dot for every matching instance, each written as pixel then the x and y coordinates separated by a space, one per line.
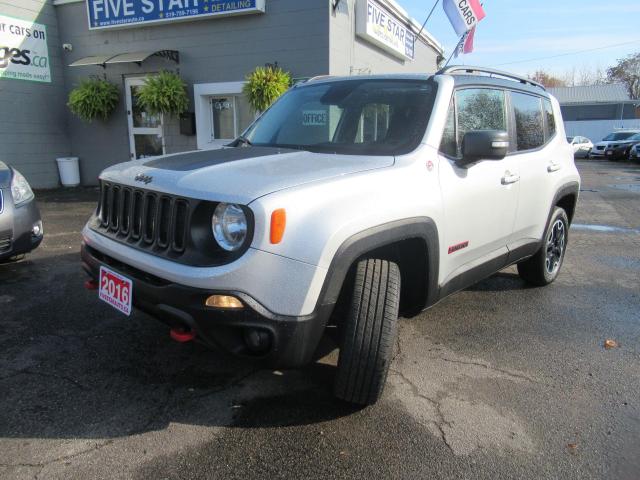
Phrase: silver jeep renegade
pixel 349 202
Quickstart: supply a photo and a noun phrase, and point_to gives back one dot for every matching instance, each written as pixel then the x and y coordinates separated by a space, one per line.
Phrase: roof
pixel 590 94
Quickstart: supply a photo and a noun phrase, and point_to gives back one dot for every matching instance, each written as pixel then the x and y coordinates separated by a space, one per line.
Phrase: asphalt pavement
pixel 499 381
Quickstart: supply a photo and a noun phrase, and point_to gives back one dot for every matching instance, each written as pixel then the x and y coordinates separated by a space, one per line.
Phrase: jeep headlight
pixel 20 189
pixel 229 225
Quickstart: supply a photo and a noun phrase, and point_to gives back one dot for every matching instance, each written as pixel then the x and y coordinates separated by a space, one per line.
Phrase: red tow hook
pixel 182 336
pixel 91 285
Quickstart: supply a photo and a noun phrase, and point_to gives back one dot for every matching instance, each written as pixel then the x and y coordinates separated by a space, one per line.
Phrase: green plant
pixel 93 98
pixel 164 93
pixel 264 86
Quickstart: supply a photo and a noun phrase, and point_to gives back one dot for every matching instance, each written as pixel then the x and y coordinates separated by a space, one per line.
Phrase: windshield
pixel 635 138
pixel 361 117
pixel 618 136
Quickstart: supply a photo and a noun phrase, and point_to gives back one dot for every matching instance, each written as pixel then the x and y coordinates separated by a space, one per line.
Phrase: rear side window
pixel 551 120
pixel 529 123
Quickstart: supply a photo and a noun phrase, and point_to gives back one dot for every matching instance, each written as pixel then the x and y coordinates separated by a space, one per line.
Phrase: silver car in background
pixel 582 146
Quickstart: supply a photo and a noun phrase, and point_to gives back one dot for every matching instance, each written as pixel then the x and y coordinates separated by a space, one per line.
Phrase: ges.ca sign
pixel 23 50
pixel 379 27
pixel 122 13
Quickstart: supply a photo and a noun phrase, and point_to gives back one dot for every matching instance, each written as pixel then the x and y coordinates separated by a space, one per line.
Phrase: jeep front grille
pixel 149 220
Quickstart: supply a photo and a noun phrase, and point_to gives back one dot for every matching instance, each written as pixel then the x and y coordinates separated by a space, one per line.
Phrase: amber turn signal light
pixel 223 301
pixel 278 224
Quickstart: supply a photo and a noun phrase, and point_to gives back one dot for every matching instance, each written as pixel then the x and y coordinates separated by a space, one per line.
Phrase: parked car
pixel 581 146
pixel 613 138
pixel 622 150
pixel 349 202
pixel 20 223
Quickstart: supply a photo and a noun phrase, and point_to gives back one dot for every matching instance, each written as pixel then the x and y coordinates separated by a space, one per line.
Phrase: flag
pixel 465 45
pixel 463 14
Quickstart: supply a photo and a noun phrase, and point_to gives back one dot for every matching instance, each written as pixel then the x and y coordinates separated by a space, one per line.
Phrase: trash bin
pixel 69 171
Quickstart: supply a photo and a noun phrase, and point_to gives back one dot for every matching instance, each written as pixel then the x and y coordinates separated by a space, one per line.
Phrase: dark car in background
pixel 613 138
pixel 622 150
pixel 20 222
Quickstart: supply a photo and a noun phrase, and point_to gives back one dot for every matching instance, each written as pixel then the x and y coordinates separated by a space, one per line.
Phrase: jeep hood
pixel 238 175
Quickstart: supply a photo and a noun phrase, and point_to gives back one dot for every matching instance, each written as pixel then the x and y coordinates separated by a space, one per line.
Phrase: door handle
pixel 509 178
pixel 553 167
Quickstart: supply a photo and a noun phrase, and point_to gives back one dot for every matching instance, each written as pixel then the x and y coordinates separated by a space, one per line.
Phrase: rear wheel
pixel 544 266
pixel 370 329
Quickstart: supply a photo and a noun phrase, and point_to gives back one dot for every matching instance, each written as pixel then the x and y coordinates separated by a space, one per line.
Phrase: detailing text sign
pixel 383 29
pixel 24 54
pixel 123 13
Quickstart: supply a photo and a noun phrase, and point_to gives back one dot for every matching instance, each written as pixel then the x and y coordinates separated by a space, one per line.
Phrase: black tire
pixel 370 331
pixel 544 266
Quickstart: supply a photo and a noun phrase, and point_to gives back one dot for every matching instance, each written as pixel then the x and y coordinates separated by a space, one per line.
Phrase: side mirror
pixel 484 145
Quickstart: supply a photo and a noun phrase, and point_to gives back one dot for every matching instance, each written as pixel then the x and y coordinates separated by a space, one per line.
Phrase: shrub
pixel 264 86
pixel 164 93
pixel 93 98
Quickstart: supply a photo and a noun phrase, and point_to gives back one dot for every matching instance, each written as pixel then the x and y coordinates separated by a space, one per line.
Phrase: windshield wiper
pixel 241 142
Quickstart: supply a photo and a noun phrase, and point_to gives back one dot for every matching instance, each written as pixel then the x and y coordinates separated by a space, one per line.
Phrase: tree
pixel 627 71
pixel 547 79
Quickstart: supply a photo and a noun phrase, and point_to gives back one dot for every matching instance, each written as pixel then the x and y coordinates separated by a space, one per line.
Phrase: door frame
pixel 132 131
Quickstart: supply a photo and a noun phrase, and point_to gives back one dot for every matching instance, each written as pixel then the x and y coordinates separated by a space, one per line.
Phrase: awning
pixel 135 57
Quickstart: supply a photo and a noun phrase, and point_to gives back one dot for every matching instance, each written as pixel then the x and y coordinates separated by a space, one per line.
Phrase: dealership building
pixel 48 46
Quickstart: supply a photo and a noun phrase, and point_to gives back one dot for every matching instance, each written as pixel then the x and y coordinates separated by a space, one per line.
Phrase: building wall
pixel 352 55
pixel 292 33
pixel 596 130
pixel 611 111
pixel 33 130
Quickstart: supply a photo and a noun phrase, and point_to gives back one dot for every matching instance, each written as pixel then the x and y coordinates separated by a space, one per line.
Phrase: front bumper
pixel 616 153
pixel 16 228
pixel 292 340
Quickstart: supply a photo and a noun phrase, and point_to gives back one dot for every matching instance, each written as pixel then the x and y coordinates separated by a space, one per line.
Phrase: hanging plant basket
pixel 93 98
pixel 164 93
pixel 264 86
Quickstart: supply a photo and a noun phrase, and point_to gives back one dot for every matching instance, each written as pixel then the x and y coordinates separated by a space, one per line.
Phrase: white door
pixel 146 137
pixel 479 200
pixel 536 163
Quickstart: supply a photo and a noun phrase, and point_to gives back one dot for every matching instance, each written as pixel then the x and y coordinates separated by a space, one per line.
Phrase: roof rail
pixel 490 71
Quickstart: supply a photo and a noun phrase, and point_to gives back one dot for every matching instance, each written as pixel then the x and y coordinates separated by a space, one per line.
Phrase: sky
pixel 521 36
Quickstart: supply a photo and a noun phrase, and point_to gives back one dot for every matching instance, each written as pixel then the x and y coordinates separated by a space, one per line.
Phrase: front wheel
pixel 366 349
pixel 544 266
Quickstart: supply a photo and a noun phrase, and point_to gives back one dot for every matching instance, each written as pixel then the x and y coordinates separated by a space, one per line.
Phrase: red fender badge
pixel 430 165
pixel 459 246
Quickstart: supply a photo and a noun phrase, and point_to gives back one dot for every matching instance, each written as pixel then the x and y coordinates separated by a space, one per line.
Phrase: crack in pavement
pixel 62 458
pixel 488 367
pixel 27 371
pixel 436 404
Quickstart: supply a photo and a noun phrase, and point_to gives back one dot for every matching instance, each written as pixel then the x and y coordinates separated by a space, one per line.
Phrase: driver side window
pixel 472 109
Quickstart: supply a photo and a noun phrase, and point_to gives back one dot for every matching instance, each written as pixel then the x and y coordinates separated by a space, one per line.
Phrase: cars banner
pixel 24 54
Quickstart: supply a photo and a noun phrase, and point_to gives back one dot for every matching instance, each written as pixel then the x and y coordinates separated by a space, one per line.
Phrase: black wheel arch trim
pixel 571 188
pixel 359 244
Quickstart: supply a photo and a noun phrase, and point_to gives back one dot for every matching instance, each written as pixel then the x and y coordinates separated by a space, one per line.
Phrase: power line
pixel 568 54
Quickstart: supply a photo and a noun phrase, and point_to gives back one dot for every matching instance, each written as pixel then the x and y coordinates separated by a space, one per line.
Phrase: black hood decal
pixel 207 158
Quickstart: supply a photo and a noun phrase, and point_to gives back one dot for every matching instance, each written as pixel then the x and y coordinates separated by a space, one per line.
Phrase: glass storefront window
pixel 231 115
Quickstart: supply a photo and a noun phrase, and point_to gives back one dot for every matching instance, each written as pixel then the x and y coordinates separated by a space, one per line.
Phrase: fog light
pixel 258 341
pixel 37 229
pixel 223 301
